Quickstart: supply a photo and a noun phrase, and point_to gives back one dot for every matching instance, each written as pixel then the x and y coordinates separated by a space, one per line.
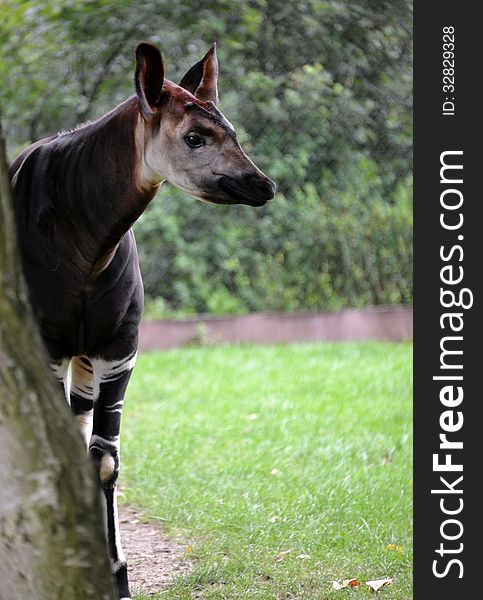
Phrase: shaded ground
pixel 153 559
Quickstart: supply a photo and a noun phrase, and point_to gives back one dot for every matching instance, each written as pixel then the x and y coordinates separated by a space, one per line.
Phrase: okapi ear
pixel 148 78
pixel 201 79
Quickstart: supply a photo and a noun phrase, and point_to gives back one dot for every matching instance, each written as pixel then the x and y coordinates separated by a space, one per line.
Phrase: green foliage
pixel 255 451
pixel 346 249
pixel 320 93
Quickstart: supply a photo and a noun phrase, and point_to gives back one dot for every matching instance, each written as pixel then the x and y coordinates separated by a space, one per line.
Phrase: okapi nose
pixel 265 187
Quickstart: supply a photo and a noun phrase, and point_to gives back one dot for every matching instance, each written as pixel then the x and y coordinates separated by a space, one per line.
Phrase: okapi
pixel 77 194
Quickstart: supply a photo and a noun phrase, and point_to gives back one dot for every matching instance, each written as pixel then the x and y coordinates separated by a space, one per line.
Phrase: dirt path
pixel 153 559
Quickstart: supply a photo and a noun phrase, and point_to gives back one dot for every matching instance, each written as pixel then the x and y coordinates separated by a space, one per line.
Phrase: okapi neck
pixel 97 168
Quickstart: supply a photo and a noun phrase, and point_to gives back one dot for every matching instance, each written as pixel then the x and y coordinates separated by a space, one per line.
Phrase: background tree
pixel 52 543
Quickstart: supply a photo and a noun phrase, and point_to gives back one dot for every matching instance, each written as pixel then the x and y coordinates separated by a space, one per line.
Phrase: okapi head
pixel 185 139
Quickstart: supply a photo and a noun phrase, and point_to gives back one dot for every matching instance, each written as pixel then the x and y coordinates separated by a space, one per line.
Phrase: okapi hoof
pixel 122 582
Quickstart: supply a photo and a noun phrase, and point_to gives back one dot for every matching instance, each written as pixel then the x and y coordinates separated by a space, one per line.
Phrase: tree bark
pixel 52 542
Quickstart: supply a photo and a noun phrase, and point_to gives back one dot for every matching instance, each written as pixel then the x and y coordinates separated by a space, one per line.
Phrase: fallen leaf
pixel 387 460
pixel 189 549
pixel 281 555
pixel 394 548
pixel 346 583
pixel 377 584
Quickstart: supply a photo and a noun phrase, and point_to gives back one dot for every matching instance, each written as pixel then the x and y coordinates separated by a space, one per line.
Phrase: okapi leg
pixel 59 369
pixel 112 377
pixel 83 393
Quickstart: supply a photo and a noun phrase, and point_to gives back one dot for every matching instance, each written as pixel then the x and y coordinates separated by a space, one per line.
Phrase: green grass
pixel 249 452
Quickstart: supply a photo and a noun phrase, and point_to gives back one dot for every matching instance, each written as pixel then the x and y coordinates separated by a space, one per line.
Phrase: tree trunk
pixel 52 542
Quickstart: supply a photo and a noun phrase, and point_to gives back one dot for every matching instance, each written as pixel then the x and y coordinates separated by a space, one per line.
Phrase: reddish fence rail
pixel 392 323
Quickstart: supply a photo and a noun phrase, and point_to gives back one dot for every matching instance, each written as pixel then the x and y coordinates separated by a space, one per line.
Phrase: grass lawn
pixel 283 468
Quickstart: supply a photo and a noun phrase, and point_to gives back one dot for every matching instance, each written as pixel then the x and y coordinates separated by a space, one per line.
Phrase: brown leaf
pixel 377 584
pixel 387 460
pixel 346 583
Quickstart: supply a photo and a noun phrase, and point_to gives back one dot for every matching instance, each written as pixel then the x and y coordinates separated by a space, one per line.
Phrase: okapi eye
pixel 194 141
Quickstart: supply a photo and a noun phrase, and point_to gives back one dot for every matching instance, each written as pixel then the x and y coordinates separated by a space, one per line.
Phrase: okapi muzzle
pixel 188 141
pixel 77 195
pixel 254 190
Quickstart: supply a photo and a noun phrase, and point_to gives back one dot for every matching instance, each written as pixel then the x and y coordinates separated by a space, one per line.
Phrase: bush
pixel 321 97
pixel 303 253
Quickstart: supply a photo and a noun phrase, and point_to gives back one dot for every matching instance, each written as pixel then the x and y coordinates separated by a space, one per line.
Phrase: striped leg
pixel 59 369
pixel 83 393
pixel 112 378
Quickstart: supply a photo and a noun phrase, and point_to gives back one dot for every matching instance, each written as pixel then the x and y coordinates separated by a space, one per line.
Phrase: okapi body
pixel 77 195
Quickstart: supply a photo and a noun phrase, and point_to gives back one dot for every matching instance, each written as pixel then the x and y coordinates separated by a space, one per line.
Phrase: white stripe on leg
pixel 121 558
pixel 84 422
pixel 110 370
pixel 60 369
